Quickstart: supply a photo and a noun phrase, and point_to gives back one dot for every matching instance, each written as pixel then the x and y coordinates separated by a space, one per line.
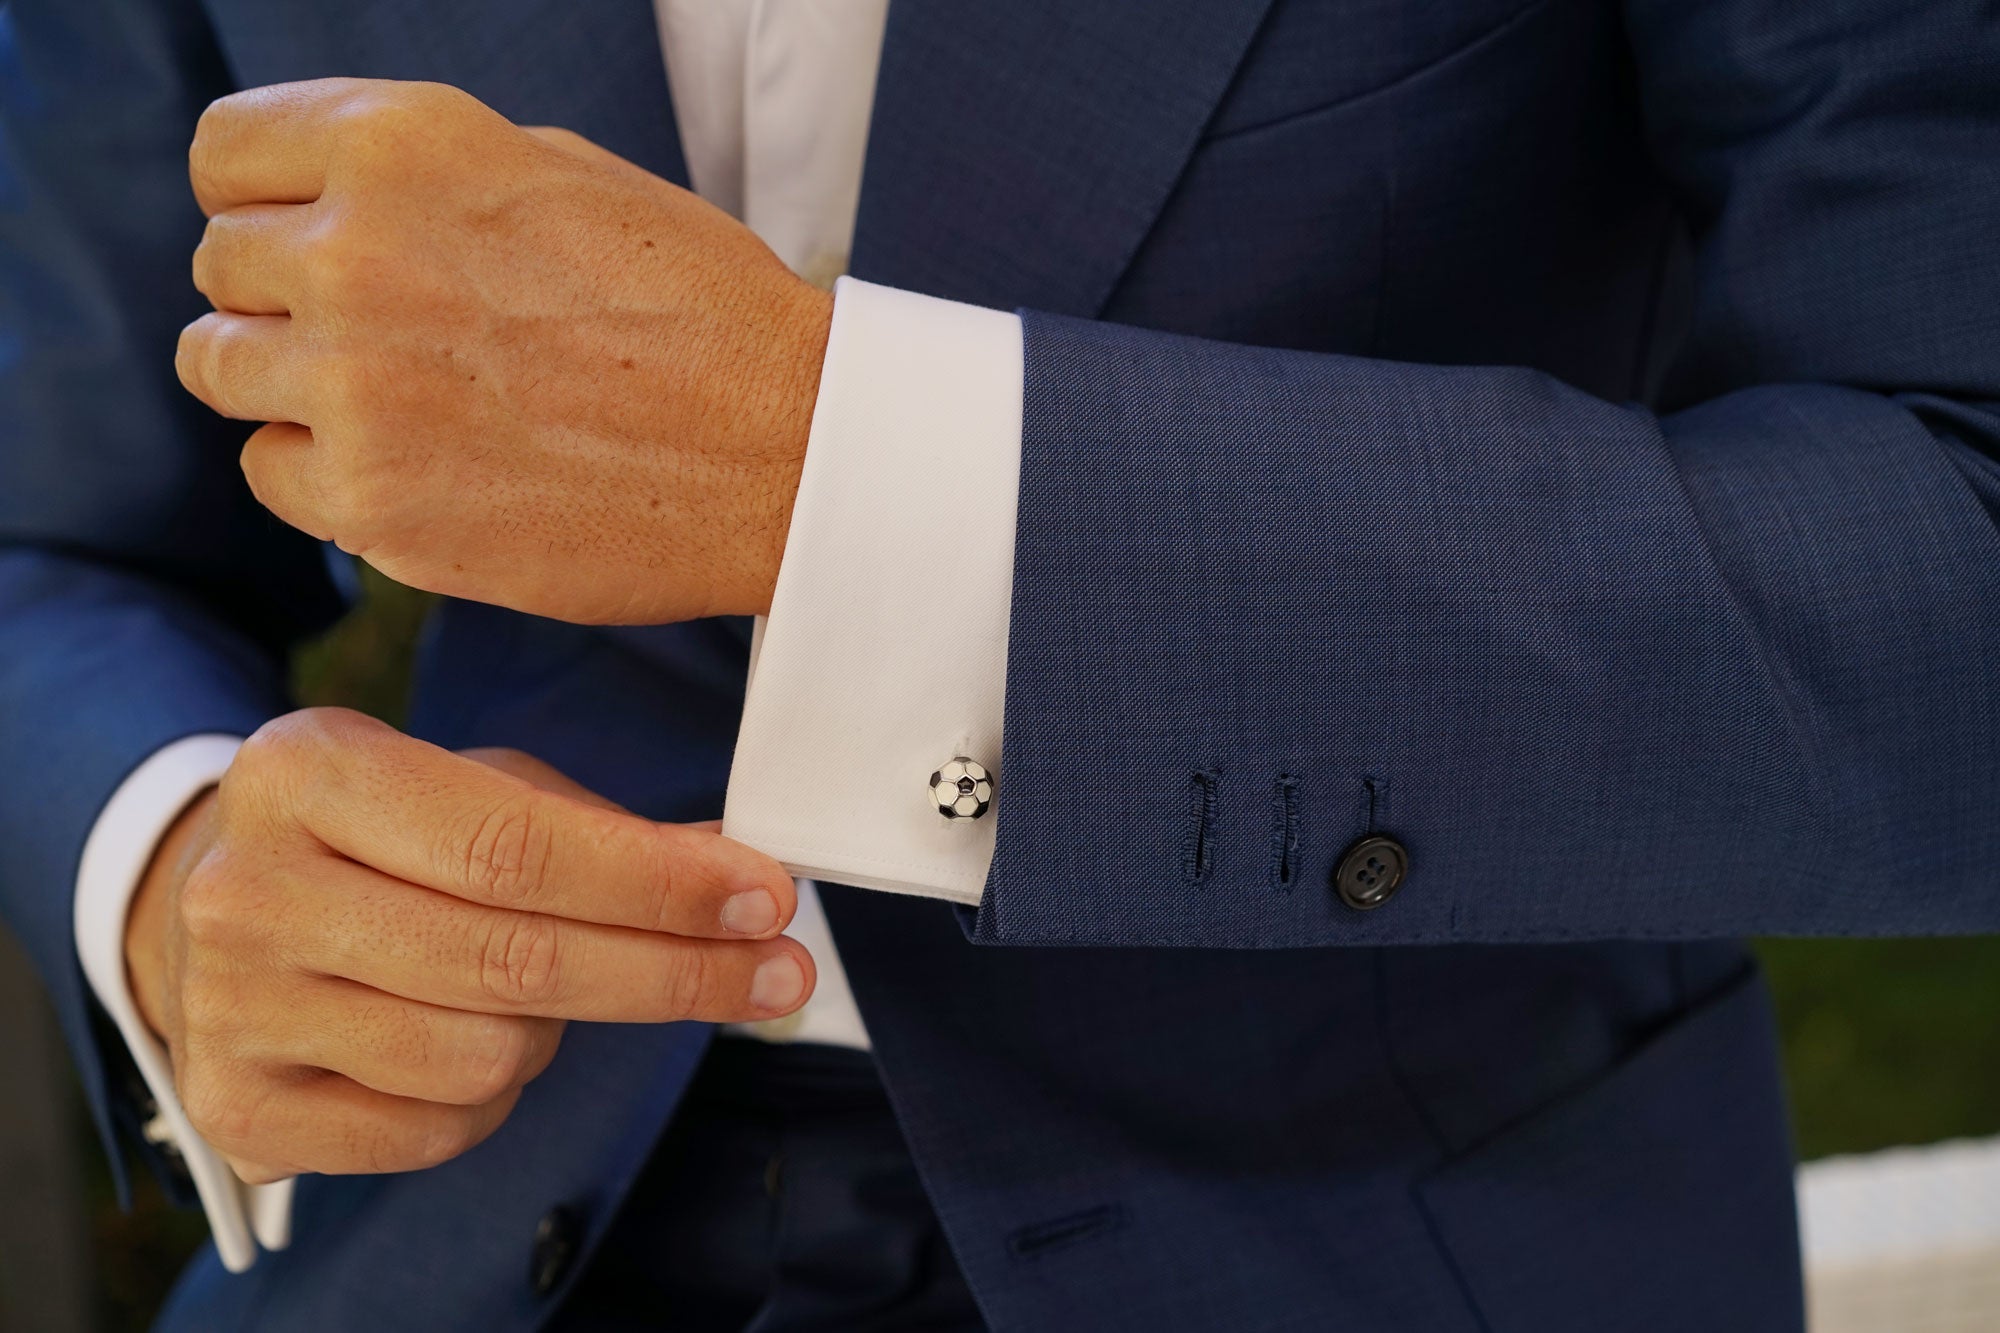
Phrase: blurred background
pixel 1887 1043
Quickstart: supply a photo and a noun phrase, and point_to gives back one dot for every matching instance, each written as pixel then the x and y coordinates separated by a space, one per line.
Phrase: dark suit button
pixel 557 1239
pixel 1371 872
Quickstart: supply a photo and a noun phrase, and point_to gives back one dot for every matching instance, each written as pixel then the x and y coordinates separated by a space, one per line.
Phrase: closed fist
pixel 499 363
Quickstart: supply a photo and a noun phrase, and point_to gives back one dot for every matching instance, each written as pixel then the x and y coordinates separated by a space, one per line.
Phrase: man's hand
pixel 361 947
pixel 503 364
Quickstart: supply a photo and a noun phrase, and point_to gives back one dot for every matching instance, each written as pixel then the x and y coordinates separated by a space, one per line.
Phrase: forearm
pixel 1606 674
pixel 1599 671
pixel 1595 667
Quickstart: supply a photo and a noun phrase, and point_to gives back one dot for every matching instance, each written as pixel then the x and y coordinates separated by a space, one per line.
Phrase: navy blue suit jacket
pixel 1559 433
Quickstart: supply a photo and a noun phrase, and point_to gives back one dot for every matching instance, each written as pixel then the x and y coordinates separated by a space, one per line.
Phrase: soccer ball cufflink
pixel 963 789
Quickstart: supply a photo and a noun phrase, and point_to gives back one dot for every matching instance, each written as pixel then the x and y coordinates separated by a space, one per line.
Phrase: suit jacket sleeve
pixel 143 595
pixel 1732 666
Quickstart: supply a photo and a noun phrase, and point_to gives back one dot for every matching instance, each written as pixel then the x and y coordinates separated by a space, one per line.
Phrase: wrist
pixel 781 429
pixel 145 940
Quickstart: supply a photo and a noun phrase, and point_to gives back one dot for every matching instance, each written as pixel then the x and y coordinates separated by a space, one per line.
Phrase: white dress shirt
pixel 877 663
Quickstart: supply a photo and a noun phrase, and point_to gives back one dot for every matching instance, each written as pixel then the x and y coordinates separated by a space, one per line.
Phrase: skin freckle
pixel 626 363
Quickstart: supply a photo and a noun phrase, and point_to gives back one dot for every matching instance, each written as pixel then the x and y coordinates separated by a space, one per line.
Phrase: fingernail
pixel 750 913
pixel 777 985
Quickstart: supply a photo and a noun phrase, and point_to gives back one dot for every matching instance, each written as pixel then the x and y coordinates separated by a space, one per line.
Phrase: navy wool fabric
pixel 1558 434
pixel 781 1199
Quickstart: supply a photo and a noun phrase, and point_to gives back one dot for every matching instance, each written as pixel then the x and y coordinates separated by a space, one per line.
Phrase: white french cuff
pixel 115 857
pixel 885 653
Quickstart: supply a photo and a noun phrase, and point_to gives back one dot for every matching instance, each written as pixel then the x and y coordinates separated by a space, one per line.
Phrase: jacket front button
pixel 557 1239
pixel 1371 872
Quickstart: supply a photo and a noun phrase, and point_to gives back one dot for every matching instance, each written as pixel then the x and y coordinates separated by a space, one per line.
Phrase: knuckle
pixel 433 1147
pixel 450 94
pixel 325 260
pixel 187 356
pixel 496 1057
pixel 344 504
pixel 281 743
pixel 691 982
pixel 507 857
pixel 202 149
pixel 432 105
pixel 223 242
pixel 341 510
pixel 205 261
pixel 543 1038
pixel 383 122
pixel 505 758
pixel 663 887
pixel 221 109
pixel 364 486
pixel 203 361
pixel 220 1106
pixel 339 266
pixel 407 1039
pixel 447 1136
pixel 458 1136
pixel 388 127
pixel 204 125
pixel 374 107
pixel 338 379
pixel 289 763
pixel 429 96
pixel 364 471
pixel 265 478
pixel 208 1010
pixel 270 746
pixel 358 537
pixel 224 1016
pixel 310 736
pixel 223 359
pixel 519 961
pixel 254 1173
pixel 210 902
pixel 374 1150
pixel 267 765
pixel 340 728
pixel 274 755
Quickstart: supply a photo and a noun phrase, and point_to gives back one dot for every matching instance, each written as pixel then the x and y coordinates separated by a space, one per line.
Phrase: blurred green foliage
pixel 1888 1041
pixel 364 661
pixel 1885 1041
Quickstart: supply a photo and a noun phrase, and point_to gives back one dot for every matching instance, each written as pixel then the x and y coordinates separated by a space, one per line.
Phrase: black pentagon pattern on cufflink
pixel 962 788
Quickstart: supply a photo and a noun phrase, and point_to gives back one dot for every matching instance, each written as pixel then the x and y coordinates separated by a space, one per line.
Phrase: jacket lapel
pixel 1019 152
